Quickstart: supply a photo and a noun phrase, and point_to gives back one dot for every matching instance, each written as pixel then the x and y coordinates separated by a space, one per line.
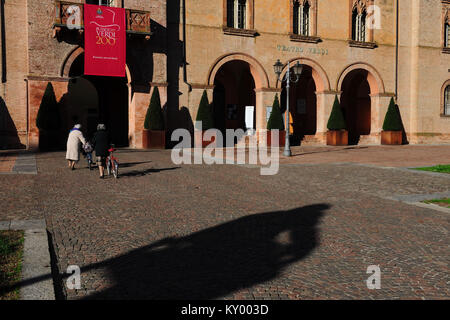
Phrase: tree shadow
pixel 217 261
pixel 9 138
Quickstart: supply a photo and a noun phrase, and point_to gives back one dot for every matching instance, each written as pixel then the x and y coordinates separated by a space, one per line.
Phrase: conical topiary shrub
pixel 336 120
pixel 154 136
pixel 275 122
pixel 154 119
pixel 392 133
pixel 204 113
pixel 337 135
pixel 392 121
pixel 47 118
pixel 276 118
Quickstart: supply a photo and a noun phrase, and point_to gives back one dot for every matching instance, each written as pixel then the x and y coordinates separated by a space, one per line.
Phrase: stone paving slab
pixel 27 224
pixel 37 280
pixel 25 164
pixel 36 265
pixel 4 225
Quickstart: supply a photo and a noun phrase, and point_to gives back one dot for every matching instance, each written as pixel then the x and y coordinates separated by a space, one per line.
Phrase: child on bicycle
pixel 87 150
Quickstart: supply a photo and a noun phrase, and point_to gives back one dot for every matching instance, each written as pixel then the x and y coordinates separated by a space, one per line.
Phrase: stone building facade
pixel 363 51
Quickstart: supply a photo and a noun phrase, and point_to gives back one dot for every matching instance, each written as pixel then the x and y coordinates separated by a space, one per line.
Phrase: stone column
pixel 325 100
pixel 264 99
pixel 379 105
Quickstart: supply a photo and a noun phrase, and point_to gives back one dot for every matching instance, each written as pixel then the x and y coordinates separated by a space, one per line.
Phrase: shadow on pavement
pixel 207 264
pixel 139 173
pixel 216 261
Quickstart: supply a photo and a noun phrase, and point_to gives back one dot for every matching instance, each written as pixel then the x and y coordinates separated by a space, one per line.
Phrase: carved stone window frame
pixel 444 87
pixel 445 22
pixel 249 30
pixel 312 37
pixel 360 5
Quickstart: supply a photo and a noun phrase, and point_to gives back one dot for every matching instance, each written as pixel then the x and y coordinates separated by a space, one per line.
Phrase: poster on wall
pixel 105 41
pixel 231 112
pixel 249 118
pixel 301 106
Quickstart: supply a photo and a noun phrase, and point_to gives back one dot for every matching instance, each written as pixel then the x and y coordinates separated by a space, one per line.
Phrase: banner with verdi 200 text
pixel 105 41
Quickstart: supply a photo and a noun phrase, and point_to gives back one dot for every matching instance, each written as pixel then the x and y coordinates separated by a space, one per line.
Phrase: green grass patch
pixel 11 252
pixel 441 168
pixel 442 202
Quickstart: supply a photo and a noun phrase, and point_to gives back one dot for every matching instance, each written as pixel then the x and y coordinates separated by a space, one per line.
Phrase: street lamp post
pixel 278 67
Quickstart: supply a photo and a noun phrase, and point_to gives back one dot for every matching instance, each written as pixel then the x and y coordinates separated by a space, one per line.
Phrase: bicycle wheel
pixel 108 166
pixel 116 169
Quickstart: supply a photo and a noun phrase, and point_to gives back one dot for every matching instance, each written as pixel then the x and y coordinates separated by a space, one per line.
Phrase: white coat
pixel 73 145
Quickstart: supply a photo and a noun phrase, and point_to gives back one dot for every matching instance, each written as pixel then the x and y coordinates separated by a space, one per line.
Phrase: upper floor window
pixel 109 3
pixel 359 24
pixel 447 101
pixel 301 15
pixel 237 14
pixel 447 34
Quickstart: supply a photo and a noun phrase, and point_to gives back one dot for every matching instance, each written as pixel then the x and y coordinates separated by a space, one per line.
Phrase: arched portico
pixel 309 99
pixel 114 97
pixel 364 102
pixel 254 90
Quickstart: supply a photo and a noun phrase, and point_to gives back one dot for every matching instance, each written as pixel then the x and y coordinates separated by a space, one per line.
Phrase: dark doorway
pixel 234 90
pixel 112 105
pixel 356 105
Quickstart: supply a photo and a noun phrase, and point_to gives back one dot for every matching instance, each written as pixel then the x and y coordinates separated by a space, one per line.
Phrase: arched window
pixel 230 13
pixel 237 14
pixel 447 34
pixel 359 25
pixel 241 13
pixel 447 101
pixel 301 16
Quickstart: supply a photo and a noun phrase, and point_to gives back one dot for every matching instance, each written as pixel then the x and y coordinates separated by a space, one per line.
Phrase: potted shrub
pixel 47 120
pixel 204 115
pixel 337 135
pixel 392 133
pixel 154 135
pixel 276 123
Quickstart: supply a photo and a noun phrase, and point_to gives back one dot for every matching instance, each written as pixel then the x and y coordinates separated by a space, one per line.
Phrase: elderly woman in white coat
pixel 73 145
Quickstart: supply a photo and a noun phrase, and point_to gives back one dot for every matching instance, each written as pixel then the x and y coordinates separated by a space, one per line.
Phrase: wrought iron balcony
pixel 138 21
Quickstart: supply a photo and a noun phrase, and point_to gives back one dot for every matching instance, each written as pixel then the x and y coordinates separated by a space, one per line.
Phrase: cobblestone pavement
pixel 164 231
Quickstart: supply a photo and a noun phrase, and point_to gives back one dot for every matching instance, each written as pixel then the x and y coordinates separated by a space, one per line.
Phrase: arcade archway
pixel 356 104
pixel 111 107
pixel 302 106
pixel 234 89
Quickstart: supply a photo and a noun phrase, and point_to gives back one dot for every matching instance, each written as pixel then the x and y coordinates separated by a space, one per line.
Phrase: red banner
pixel 104 41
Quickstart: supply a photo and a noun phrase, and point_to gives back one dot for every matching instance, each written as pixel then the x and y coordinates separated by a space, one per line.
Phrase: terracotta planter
pixel 281 138
pixel 154 139
pixel 391 137
pixel 198 136
pixel 337 137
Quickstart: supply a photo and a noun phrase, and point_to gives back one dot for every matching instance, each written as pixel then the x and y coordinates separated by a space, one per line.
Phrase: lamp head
pixel 278 67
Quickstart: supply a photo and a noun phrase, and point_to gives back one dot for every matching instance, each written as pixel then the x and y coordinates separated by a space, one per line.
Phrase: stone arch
pixel 373 77
pixel 256 69
pixel 73 55
pixel 318 73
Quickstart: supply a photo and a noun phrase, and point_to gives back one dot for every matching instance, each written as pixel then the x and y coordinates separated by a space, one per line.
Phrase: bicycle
pixel 112 163
pixel 88 149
